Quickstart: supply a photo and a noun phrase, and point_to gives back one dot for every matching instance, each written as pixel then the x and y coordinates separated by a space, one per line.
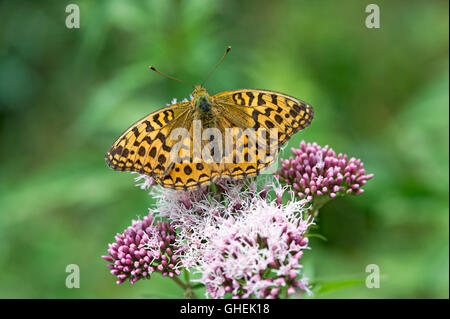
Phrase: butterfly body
pixel 203 106
pixel 201 99
pixel 147 147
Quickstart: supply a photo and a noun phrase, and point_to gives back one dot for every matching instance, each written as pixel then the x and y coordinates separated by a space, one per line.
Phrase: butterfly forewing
pixel 270 109
pixel 145 146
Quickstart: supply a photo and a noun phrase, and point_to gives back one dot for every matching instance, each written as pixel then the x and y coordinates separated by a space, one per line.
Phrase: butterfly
pixel 149 145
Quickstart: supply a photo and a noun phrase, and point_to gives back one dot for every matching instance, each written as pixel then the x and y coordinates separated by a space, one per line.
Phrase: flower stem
pixel 314 211
pixel 188 291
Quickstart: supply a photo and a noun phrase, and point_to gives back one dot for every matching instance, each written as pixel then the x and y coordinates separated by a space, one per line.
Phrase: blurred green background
pixel 378 94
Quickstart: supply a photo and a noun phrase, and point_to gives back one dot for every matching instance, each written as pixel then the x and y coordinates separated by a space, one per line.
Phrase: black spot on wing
pixel 156 120
pixel 251 97
pixel 187 170
pixel 237 98
pixel 161 158
pixel 260 99
pixel 278 118
pixel 152 152
pixel 274 99
pixel 135 131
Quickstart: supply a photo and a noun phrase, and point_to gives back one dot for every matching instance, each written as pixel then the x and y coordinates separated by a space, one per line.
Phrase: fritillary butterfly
pixel 146 146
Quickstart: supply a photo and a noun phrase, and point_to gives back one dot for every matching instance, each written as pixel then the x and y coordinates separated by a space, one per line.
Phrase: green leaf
pixel 320 236
pixel 321 288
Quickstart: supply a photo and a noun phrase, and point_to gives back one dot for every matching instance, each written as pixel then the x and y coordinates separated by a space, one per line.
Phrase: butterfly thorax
pixel 203 104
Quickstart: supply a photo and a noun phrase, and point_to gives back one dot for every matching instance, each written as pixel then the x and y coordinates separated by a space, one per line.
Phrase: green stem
pixel 314 210
pixel 188 291
pixel 186 276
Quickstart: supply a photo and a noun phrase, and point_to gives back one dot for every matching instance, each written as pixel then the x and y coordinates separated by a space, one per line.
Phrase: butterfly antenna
pixel 215 67
pixel 168 76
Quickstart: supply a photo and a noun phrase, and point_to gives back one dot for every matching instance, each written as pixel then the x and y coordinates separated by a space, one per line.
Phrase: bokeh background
pixel 379 94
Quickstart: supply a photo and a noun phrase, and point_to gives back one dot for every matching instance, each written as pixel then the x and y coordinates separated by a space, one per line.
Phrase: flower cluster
pixel 317 172
pixel 244 244
pixel 143 248
pixel 257 254
pixel 241 237
pixel 197 213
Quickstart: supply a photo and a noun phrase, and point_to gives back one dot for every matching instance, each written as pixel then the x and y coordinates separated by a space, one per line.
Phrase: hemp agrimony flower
pixel 317 174
pixel 243 239
pixel 143 248
pixel 244 244
pixel 257 253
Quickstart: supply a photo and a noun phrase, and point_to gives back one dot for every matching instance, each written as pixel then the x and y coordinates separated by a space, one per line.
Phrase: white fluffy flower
pixel 241 241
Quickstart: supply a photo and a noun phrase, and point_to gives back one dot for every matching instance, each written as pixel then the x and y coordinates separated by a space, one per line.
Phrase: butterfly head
pixel 201 99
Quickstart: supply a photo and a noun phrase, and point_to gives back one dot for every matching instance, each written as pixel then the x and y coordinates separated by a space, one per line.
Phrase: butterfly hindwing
pixel 189 172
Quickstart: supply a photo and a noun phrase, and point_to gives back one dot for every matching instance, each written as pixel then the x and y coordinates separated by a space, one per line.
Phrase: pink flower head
pixel 317 172
pixel 143 248
pixel 239 236
pixel 254 253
